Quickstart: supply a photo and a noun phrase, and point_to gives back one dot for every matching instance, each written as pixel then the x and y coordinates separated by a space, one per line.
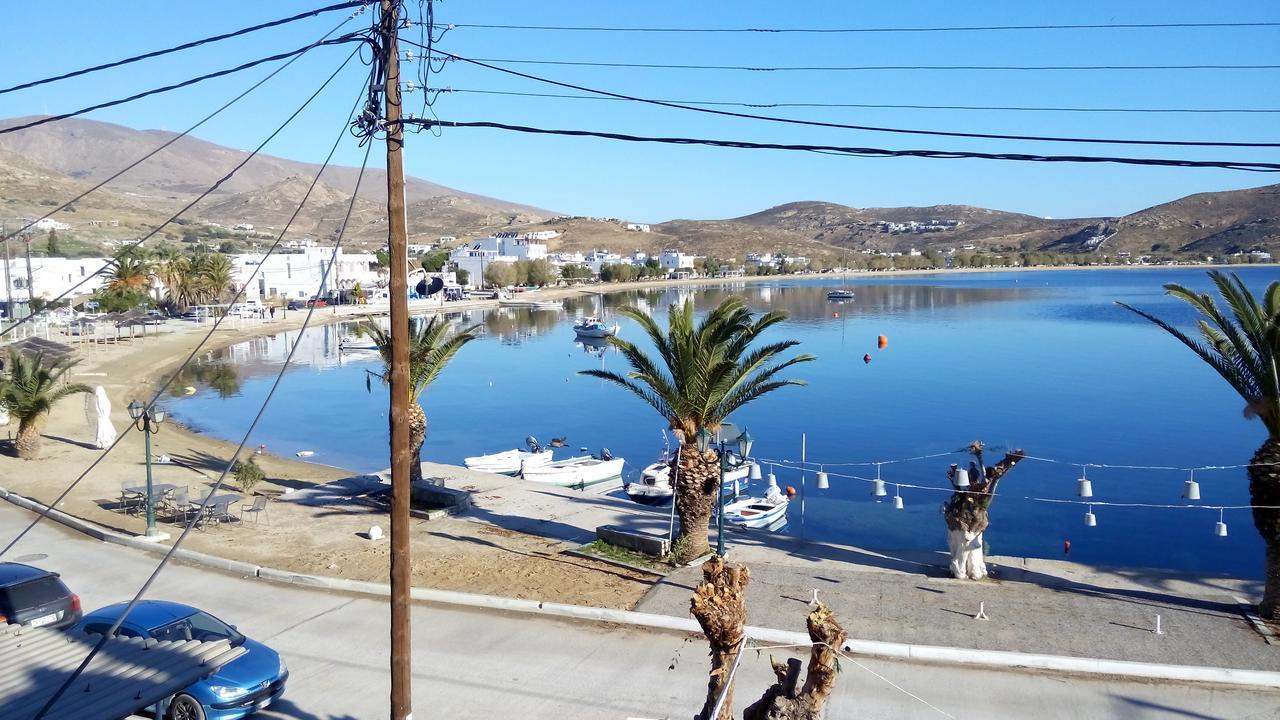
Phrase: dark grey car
pixel 35 597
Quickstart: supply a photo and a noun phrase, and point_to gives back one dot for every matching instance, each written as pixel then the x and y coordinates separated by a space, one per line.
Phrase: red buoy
pixel 1066 547
pixel 867 358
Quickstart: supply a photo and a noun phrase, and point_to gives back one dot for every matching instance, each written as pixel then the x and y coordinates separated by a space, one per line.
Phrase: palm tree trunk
pixel 417 436
pixel 697 490
pixel 720 606
pixel 1264 489
pixel 27 444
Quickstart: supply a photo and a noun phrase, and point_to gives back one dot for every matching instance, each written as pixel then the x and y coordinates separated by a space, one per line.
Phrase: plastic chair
pixel 259 509
pixel 130 501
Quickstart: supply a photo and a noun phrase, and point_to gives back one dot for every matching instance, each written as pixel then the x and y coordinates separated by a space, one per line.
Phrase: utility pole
pixel 31 288
pixel 8 285
pixel 397 248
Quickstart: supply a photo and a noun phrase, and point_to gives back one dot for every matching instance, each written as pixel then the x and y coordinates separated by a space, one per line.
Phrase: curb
pixel 1000 659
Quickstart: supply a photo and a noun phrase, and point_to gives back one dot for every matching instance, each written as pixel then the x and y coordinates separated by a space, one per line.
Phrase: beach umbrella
pixel 97 410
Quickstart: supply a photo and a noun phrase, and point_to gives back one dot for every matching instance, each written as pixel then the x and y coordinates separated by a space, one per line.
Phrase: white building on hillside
pixel 675 260
pixel 476 257
pixel 45 224
pixel 636 227
pixel 597 259
pixel 297 276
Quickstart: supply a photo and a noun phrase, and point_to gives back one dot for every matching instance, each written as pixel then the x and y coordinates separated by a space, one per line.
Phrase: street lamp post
pixel 744 442
pixel 148 420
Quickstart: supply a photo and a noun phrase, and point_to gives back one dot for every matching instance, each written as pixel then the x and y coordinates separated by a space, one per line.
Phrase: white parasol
pixel 97 410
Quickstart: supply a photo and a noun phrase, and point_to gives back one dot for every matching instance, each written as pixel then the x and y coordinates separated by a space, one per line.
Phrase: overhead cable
pixel 257 268
pixel 284 367
pixel 880 68
pixel 350 37
pixel 932 29
pixel 1002 108
pixel 862 151
pixel 847 126
pixel 184 46
pixel 171 140
pixel 134 244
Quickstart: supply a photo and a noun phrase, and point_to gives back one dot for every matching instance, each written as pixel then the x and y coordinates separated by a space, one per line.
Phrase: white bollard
pixel 982 612
pixel 375 533
pixel 814 601
pixel 1158 630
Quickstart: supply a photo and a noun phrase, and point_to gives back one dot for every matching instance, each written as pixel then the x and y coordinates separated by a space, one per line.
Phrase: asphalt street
pixel 471 664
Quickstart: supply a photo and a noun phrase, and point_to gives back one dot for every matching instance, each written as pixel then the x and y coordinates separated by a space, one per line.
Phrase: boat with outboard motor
pixel 510 462
pixel 577 472
pixel 594 327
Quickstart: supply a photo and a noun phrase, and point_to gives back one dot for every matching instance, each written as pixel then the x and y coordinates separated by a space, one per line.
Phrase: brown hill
pixel 1206 223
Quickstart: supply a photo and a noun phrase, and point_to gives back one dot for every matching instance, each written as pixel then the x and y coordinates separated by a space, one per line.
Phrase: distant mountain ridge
pixel 43 166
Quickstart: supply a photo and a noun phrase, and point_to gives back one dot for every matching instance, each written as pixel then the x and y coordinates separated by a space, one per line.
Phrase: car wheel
pixel 185 707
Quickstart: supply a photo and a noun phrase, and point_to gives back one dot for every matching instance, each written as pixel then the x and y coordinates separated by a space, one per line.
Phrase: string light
pixel 1192 489
pixel 1084 487
pixel 1090 520
pixel 1221 528
pixel 823 482
pixel 897 497
pixel 877 488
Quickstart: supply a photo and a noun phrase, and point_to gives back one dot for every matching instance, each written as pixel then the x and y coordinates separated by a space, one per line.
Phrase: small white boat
pixel 547 305
pixel 579 472
pixel 351 343
pixel 305 453
pixel 593 327
pixel 755 512
pixel 508 462
pixel 654 486
pixel 840 295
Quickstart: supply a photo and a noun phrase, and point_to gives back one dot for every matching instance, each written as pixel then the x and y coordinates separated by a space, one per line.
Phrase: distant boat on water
pixel 840 295
pixel 594 327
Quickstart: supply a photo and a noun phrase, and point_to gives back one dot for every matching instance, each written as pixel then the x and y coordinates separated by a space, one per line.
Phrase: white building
pixel 476 257
pixel 297 276
pixel 46 224
pixel 51 277
pixel 517 245
pixel 636 227
pixel 416 249
pixel 447 239
pixel 597 259
pixel 675 260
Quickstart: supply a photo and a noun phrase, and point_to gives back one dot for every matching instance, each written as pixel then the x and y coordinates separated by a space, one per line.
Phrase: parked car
pixel 297 305
pixel 36 598
pixel 317 302
pixel 240 688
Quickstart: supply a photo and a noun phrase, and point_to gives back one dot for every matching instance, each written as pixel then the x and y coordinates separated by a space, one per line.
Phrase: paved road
pixel 473 665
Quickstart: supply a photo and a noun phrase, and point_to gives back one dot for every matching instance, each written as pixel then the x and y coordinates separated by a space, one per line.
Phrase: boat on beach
pixel 594 327
pixel 510 462
pixel 578 472
pixel 840 295
pixel 654 486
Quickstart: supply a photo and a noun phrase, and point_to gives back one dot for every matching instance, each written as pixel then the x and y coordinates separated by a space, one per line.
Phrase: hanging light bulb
pixel 897 498
pixel 1221 528
pixel 773 479
pixel 755 471
pixel 1090 520
pixel 823 482
pixel 962 479
pixel 1084 487
pixel 1191 490
pixel 877 486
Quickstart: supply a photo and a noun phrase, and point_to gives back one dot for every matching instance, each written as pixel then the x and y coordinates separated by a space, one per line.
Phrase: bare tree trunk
pixel 697 491
pixel 720 606
pixel 781 701
pixel 27 444
pixel 417 436
pixel 1264 489
pixel 967 516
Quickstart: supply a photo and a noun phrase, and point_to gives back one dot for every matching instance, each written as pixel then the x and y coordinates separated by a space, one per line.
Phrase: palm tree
pixel 1244 348
pixel 430 350
pixel 132 272
pixel 214 273
pixel 30 389
pixel 702 373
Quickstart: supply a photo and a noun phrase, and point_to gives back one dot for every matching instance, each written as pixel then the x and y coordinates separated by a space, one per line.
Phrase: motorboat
pixel 511 462
pixel 547 305
pixel 578 472
pixel 840 295
pixel 654 486
pixel 594 327
pixel 352 343
pixel 756 512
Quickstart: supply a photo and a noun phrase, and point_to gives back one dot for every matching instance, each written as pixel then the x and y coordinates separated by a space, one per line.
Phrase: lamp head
pixel 744 443
pixel 703 440
pixel 157 415
pixel 135 409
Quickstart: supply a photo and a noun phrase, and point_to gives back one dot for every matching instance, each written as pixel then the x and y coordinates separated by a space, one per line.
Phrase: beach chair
pixel 220 512
pixel 178 505
pixel 131 502
pixel 258 509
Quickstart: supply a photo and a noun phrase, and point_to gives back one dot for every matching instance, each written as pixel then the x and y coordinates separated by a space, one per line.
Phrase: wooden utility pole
pixel 397 241
pixel 31 283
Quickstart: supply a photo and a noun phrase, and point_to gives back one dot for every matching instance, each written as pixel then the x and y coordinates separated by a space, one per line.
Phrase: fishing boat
pixel 510 462
pixel 579 472
pixel 755 512
pixel 840 295
pixel 594 327
pixel 547 305
pixel 654 486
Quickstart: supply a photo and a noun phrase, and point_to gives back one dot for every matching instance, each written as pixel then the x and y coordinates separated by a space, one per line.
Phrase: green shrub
pixel 248 474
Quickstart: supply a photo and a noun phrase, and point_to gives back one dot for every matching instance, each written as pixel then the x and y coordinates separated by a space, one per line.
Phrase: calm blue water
pixel 1042 361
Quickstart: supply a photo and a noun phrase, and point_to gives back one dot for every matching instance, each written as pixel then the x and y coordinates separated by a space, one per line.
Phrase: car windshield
pixel 32 594
pixel 200 626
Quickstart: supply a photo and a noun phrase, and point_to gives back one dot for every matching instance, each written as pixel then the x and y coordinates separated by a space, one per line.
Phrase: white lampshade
pixel 1090 520
pixel 897 502
pixel 1191 490
pixel 1084 487
pixel 755 471
pixel 1220 529
pixel 823 482
pixel 962 478
pixel 877 488
pixel 773 480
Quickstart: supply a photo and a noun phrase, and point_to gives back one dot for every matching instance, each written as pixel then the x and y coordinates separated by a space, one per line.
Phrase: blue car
pixel 240 688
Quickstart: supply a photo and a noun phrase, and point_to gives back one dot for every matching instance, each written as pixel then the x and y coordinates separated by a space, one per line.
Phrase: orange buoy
pixel 882 342
pixel 867 358
pixel 791 492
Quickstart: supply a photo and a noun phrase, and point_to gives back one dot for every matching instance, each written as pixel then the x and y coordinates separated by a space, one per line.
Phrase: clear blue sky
pixel 654 183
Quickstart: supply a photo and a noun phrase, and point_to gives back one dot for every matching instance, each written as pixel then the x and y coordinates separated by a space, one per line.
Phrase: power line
pixel 351 37
pixel 846 126
pixel 936 29
pixel 878 68
pixel 862 151
pixel 184 46
pixel 194 351
pixel 193 203
pixel 173 139
pixel 1012 108
pixel 223 477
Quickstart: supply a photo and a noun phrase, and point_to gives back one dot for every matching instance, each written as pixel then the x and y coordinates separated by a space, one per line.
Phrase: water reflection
pixel 214 371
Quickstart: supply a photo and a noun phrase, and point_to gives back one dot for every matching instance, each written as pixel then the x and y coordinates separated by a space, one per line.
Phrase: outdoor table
pixel 213 502
pixel 157 488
